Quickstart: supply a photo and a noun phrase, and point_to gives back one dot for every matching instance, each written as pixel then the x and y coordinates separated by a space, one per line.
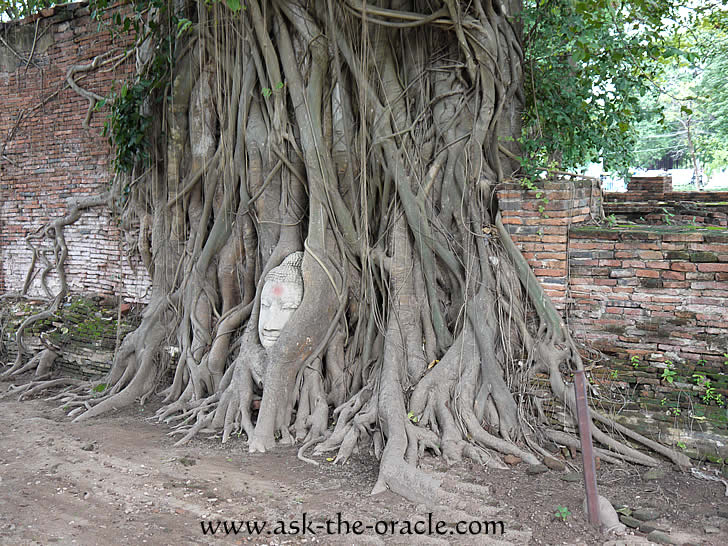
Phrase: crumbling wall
pixel 48 155
pixel 652 298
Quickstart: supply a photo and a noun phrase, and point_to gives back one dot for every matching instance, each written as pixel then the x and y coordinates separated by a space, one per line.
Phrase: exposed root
pixel 33 388
pixel 40 364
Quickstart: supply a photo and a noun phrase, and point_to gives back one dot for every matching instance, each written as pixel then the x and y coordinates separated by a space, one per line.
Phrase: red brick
pixel 633 263
pixel 673 275
pixel 554 239
pixel 549 272
pixel 716 267
pixel 682 237
pixel 650 254
pixel 682 266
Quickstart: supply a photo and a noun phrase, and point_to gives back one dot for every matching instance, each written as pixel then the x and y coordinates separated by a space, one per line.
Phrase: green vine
pixel 127 127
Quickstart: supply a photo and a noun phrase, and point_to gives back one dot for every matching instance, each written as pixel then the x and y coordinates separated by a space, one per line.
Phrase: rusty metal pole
pixel 587 450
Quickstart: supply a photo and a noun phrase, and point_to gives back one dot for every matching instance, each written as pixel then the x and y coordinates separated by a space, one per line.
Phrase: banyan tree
pixel 313 195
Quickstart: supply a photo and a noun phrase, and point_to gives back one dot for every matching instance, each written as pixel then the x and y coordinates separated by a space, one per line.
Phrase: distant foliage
pixel 684 114
pixel 587 65
pixel 712 91
pixel 13 9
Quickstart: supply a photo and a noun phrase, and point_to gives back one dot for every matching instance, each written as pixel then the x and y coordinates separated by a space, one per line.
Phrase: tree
pixel 682 114
pixel 712 95
pixel 370 137
pixel 588 63
pixel 671 124
pixel 16 10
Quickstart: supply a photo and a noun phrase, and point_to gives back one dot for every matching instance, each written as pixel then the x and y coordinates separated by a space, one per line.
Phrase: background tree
pixel 587 65
pixel 671 126
pixel 370 136
pixel 682 112
pixel 712 93
pixel 17 9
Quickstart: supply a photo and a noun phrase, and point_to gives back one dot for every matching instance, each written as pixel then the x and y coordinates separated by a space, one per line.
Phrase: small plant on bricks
pixel 668 374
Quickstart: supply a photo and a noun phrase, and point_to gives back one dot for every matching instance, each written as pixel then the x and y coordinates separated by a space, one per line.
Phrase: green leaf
pixel 234 5
pixel 182 26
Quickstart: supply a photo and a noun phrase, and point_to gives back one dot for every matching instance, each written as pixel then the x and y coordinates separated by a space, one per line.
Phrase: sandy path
pixel 117 480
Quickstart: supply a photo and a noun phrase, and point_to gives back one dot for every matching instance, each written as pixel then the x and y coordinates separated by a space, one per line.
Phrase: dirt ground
pixel 118 480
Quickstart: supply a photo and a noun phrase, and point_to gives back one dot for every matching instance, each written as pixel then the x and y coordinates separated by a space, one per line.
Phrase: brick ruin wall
pixel 658 293
pixel 650 297
pixel 48 156
pixel 655 290
pixel 539 221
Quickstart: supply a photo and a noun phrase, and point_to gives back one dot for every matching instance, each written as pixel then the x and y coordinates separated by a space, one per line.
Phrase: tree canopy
pixel 681 112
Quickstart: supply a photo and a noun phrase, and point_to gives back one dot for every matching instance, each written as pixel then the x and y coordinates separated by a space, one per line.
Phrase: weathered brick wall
pixel 652 298
pixel 655 300
pixel 680 412
pixel 687 208
pixel 539 220
pixel 649 187
pixel 660 293
pixel 697 196
pixel 686 213
pixel 48 156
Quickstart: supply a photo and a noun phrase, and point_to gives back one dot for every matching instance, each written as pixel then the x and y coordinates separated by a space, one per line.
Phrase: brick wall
pixel 649 187
pixel 655 300
pixel 539 220
pixel 660 293
pixel 686 213
pixel 48 155
pixel 651 297
pixel 698 196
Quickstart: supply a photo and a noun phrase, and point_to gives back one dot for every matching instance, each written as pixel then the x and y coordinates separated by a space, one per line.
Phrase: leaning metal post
pixel 587 451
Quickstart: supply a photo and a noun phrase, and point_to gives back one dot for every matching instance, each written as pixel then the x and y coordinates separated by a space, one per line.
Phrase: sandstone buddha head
pixel 282 294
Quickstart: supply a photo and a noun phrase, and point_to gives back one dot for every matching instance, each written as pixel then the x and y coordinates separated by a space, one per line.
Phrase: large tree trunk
pixel 369 136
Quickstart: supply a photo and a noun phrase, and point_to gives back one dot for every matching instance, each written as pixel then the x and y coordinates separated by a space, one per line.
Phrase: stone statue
pixel 281 296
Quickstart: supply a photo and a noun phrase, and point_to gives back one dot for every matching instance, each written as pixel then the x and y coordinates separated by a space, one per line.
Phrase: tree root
pixel 33 388
pixel 41 364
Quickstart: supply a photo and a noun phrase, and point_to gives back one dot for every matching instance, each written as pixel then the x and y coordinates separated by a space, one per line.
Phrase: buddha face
pixel 282 294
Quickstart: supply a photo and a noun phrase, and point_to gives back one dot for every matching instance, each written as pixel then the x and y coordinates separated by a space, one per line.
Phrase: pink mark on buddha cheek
pixel 278 290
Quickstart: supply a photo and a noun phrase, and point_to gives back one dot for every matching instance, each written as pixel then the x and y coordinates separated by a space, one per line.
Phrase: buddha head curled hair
pixel 281 295
pixel 289 271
